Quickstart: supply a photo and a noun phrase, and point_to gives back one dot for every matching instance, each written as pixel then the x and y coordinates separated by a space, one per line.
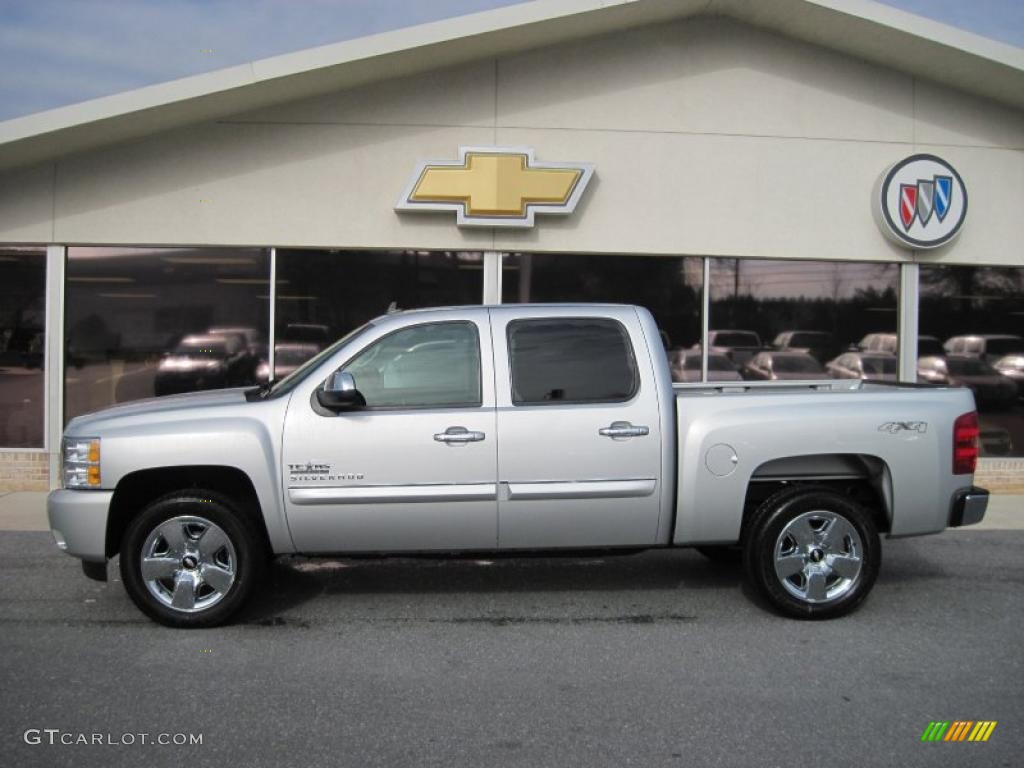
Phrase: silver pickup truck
pixel 507 429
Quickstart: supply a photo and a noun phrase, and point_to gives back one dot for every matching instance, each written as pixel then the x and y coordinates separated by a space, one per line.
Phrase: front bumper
pixel 969 505
pixel 78 521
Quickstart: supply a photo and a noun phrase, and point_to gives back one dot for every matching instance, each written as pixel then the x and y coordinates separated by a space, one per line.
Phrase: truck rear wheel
pixel 189 559
pixel 812 553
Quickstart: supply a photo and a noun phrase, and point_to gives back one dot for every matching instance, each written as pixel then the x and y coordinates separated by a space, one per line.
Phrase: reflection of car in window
pixel 738 346
pixel 778 366
pixel 685 366
pixel 989 346
pixel 991 388
pixel 864 365
pixel 202 361
pixel 819 344
pixel 1012 367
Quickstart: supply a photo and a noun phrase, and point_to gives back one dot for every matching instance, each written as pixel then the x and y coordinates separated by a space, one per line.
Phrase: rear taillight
pixel 965 444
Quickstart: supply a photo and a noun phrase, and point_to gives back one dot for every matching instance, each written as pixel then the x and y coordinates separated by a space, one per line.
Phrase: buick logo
pixel 922 202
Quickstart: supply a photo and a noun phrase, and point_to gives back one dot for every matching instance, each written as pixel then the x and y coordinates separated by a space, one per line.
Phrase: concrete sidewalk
pixel 26 511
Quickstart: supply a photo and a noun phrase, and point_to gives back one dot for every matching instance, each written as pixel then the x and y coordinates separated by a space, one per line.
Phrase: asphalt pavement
pixel 660 658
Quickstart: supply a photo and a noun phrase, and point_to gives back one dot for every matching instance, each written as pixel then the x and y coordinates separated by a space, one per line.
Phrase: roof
pixel 866 29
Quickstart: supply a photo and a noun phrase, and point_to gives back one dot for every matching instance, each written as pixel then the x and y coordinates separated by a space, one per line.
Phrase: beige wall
pixel 709 137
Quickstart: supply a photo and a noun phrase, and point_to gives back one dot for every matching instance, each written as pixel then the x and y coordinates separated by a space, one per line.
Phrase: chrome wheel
pixel 818 556
pixel 188 563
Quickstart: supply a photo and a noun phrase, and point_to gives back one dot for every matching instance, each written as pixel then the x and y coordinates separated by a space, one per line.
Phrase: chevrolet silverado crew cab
pixel 511 429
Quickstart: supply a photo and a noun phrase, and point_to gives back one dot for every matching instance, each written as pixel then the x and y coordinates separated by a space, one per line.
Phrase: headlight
pixel 81 460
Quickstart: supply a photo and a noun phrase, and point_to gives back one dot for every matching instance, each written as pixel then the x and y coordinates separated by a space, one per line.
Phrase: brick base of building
pixel 1001 475
pixel 24 471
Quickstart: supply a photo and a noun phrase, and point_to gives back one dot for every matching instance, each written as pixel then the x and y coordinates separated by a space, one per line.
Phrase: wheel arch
pixel 865 478
pixel 137 489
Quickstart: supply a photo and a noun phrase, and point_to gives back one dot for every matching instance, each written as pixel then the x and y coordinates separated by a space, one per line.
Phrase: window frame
pixel 619 326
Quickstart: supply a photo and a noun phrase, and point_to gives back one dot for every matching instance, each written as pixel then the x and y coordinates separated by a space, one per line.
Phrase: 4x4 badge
pixel 892 427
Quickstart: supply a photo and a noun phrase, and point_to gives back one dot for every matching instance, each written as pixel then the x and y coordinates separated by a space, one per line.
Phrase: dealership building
pixel 843 180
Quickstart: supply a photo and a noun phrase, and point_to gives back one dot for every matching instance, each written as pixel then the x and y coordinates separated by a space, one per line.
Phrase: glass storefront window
pixel 669 286
pixel 141 322
pixel 22 346
pixel 973 320
pixel 777 320
pixel 322 295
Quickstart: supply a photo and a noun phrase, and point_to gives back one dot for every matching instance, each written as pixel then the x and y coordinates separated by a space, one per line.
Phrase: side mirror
pixel 340 393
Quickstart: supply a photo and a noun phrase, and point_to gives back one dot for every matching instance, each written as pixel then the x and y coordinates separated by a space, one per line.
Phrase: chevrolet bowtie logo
pixel 496 187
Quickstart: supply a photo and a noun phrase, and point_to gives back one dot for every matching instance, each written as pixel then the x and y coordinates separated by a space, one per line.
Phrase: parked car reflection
pixel 685 365
pixel 782 366
pixel 888 343
pixel 1012 367
pixel 738 346
pixel 988 346
pixel 818 344
pixel 203 361
pixel 864 365
pixel 991 388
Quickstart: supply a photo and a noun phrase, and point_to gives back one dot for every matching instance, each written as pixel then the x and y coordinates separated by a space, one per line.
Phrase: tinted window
pixel 436 364
pixel 128 311
pixel 668 286
pixel 22 343
pixel 575 361
pixel 322 295
pixel 961 301
pixel 824 306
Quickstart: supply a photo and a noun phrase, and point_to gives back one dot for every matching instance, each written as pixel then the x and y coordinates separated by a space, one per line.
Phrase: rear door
pixel 579 434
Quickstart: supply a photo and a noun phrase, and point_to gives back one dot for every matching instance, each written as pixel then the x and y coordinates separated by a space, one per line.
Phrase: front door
pixel 413 470
pixel 579 450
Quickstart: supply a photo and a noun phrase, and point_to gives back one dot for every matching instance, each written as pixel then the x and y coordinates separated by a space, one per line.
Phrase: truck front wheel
pixel 812 552
pixel 189 559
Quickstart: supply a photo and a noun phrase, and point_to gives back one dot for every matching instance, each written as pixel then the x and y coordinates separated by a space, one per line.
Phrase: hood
pixel 156 406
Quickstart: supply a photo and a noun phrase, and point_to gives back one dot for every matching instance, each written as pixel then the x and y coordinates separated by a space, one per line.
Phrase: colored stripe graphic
pixel 958 730
pixel 982 730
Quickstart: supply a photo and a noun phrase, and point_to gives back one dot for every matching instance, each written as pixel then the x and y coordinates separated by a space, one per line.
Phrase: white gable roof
pixel 865 29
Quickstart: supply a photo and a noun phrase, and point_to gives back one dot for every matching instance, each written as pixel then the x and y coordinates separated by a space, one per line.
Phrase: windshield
pixel 795 364
pixel 286 384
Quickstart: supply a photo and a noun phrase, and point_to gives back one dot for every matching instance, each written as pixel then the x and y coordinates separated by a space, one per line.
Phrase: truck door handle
pixel 459 435
pixel 619 429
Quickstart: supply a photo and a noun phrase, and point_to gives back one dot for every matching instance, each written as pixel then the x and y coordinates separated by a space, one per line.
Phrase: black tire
pixel 724 554
pixel 840 560
pixel 244 557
